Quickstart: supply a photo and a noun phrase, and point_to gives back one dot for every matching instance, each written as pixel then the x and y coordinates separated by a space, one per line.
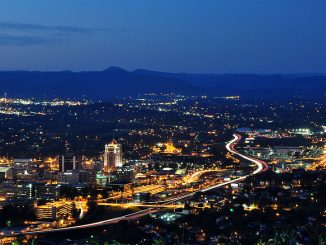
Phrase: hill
pixel 116 82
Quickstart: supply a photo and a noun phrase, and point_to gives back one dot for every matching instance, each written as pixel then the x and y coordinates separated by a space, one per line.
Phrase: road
pixel 261 166
pixel 196 176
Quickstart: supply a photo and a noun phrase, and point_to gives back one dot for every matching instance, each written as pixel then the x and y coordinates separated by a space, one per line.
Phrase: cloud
pixel 22 34
pixel 15 26
pixel 25 40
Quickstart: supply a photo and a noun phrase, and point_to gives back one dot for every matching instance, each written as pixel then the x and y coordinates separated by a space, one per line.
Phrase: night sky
pixel 199 36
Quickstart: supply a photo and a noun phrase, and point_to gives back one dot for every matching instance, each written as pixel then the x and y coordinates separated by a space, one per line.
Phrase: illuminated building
pixel 286 150
pixel 171 149
pixel 112 156
pixel 301 131
pixel 156 149
pixel 52 163
pixel 92 165
pixel 54 211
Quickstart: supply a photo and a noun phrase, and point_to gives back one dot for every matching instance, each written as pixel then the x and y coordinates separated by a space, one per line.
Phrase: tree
pixel 92 205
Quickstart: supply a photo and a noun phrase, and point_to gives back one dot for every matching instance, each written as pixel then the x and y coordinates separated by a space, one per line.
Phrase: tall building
pixel 112 156
pixel 69 162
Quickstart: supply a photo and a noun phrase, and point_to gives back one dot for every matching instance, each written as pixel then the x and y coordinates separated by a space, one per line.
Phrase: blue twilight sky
pixel 220 36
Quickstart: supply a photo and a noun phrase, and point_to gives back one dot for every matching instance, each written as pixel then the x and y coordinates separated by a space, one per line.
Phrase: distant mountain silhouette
pixel 254 85
pixel 108 84
pixel 117 82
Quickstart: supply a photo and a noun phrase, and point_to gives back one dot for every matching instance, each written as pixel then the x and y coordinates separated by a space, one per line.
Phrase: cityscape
pixel 162 122
pixel 163 167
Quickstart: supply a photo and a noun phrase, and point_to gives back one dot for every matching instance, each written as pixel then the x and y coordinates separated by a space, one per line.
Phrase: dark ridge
pixel 116 82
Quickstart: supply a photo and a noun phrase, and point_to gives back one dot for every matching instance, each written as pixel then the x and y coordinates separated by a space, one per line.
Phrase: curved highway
pixel 261 166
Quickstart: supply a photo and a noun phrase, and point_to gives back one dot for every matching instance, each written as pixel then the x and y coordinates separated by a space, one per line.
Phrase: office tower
pixel 112 156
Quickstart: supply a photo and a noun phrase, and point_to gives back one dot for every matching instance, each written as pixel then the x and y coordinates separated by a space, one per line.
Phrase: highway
pixel 196 176
pixel 261 166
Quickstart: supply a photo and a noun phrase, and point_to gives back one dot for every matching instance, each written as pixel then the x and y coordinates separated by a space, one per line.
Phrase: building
pixel 55 210
pixel 68 177
pixel 92 177
pixel 3 202
pixel 26 177
pixel 22 165
pixel 84 177
pixel 47 191
pixel 7 190
pixel 112 156
pixel 141 197
pixel 25 190
pixel 4 173
pixel 170 148
pixel 125 174
pixel 167 148
pixel 104 180
pixel 301 131
pixel 69 162
pixel 286 150
pixel 74 177
pixel 2 176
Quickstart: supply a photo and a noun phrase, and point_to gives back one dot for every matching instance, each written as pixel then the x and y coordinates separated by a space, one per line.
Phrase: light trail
pixel 261 165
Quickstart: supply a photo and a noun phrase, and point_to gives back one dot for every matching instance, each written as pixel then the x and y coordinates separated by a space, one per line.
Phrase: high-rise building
pixel 112 156
pixel 69 162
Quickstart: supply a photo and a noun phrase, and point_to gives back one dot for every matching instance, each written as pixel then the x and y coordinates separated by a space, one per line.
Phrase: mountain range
pixel 116 82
